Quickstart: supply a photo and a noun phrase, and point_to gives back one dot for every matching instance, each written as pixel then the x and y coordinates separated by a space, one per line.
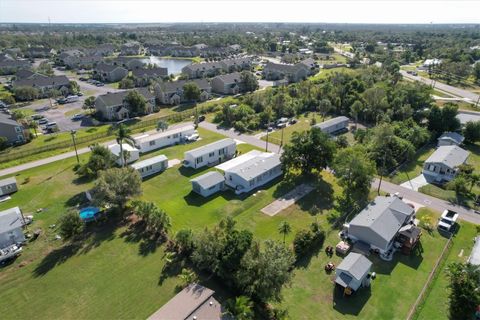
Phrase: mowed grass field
pixel 114 274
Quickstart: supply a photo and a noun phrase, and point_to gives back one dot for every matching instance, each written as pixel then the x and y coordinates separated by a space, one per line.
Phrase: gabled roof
pixel 8 181
pixel 209 179
pixel 450 156
pixel 331 122
pixel 153 72
pixel 14 63
pixel 383 217
pixel 24 73
pixel 203 66
pixel 354 264
pixel 115 148
pixel 174 86
pixel 161 134
pixel 103 67
pixel 43 81
pixel 116 98
pixel 453 137
pixel 6 119
pixel 10 219
pixel 236 62
pixel 229 78
pixel 197 152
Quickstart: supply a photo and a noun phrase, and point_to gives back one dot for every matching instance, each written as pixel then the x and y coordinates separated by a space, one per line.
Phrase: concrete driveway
pixel 416 183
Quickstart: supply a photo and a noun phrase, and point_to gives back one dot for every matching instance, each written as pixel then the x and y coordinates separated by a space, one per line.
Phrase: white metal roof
pixel 238 160
pixel 10 219
pixel 149 162
pixel 115 148
pixel 158 135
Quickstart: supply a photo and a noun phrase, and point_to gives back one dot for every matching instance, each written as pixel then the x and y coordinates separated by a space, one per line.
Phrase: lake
pixel 173 65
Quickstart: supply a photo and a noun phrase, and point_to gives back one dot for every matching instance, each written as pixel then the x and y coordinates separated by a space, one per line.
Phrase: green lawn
pixel 435 305
pixel 413 168
pixel 323 73
pixel 303 124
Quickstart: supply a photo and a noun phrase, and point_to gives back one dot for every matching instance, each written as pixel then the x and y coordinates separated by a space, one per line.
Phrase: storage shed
pixel 208 184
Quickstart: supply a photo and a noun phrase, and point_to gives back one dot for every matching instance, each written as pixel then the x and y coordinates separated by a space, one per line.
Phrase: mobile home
pixel 146 143
pixel 334 125
pixel 133 153
pixel 11 227
pixel 151 166
pixel 8 186
pixel 211 154
pixel 208 184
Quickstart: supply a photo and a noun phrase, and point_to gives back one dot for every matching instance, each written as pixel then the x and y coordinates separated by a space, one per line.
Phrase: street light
pixel 73 132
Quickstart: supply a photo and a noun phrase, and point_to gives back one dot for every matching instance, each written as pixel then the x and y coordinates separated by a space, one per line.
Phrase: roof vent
pixel 211 303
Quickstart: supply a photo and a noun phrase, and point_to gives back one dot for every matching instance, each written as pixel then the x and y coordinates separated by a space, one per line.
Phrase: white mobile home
pixel 251 170
pixel 211 154
pixel 11 224
pixel 208 184
pixel 146 143
pixel 8 186
pixel 151 166
pixel 133 153
pixel 334 125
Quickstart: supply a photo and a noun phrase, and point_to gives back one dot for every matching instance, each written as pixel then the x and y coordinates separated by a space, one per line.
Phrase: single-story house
pixel 112 106
pixel 474 257
pixel 143 77
pixel 8 66
pixel 450 139
pixel 334 125
pixel 133 153
pixel 289 72
pixel 442 165
pixel 151 166
pixel 208 183
pixel 45 84
pixel 8 186
pixel 378 224
pixel 353 272
pixel 230 83
pixel 12 130
pixel 150 142
pixel 171 92
pixel 210 154
pixel 251 170
pixel 202 70
pixel 193 302
pixel 109 73
pixel 431 63
pixel 11 227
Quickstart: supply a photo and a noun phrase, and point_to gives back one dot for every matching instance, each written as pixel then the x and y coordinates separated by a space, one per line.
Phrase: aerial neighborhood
pixel 211 171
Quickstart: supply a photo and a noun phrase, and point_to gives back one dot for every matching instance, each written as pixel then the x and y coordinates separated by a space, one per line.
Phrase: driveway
pixel 416 183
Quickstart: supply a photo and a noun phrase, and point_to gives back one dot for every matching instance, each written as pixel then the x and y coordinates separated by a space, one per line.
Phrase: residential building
pixel 474 257
pixel 39 52
pixel 109 73
pixel 208 183
pixel 289 72
pixel 193 302
pixel 171 93
pixel 68 53
pixel 133 154
pixel 238 64
pixel 442 165
pixel 150 142
pixel 211 154
pixel 11 66
pixel 106 49
pixel 353 272
pixel 151 166
pixel 131 49
pixel 45 84
pixel 8 186
pixel 144 77
pixel 12 130
pixel 429 63
pixel 230 83
pixel 112 106
pixel 202 70
pixel 11 227
pixel 82 62
pixel 310 65
pixel 251 170
pixel 378 224
pixel 25 74
pixel 450 139
pixel 127 62
pixel 334 125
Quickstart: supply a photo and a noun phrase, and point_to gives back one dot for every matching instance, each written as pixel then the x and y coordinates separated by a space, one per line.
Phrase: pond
pixel 173 65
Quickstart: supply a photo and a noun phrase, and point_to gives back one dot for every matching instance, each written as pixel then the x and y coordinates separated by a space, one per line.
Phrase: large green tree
pixel 100 159
pixel 464 290
pixel 191 92
pixel 136 103
pixel 71 225
pixel 472 131
pixel 443 119
pixel 122 135
pixel 249 81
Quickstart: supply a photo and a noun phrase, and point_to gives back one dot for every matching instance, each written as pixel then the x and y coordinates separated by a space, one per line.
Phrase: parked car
pixel 100 84
pixel 201 118
pixel 62 100
pixel 77 117
pixel 83 79
pixel 37 116
pixel 72 98
pixel 80 94
pixel 447 221
pixel 43 121
pixel 281 123
pixel 192 137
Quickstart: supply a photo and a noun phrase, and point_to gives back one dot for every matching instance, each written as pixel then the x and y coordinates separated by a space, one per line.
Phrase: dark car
pixel 201 118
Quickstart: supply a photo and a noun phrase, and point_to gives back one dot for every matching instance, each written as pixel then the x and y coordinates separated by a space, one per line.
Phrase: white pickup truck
pixel 447 221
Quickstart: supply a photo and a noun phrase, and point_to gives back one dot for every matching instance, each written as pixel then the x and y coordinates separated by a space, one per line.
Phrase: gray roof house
pixel 131 49
pixel 353 271
pixel 210 154
pixel 442 165
pixel 230 83
pixel 311 65
pixel 12 130
pixel 202 70
pixel 289 72
pixel 474 257
pixel 143 77
pixel 11 224
pixel 109 73
pixel 450 139
pixel 24 74
pixel 378 224
pixel 8 186
pixel 129 63
pixel 238 64
pixel 45 84
pixel 171 92
pixel 82 62
pixel 11 66
pixel 112 106
pixel 333 125
pixel 208 183
pixel 193 302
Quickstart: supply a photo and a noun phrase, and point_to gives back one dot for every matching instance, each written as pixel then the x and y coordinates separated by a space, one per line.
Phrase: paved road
pixel 472 97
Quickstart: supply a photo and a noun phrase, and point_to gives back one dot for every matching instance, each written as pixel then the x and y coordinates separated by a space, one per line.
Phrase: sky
pixel 339 11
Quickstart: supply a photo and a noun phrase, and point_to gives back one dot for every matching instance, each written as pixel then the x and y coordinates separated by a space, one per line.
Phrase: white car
pixel 447 221
pixel 192 137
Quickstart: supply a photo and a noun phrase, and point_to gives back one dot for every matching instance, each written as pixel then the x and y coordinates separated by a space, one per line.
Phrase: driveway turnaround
pixel 288 199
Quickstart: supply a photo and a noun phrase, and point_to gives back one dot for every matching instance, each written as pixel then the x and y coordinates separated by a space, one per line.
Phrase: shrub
pixel 307 240
pixel 71 225
pixel 3 143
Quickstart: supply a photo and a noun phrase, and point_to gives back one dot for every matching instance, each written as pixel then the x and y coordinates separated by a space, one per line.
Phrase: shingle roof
pixel 234 77
pixel 211 147
pixel 173 86
pixel 256 166
pixel 331 122
pixel 43 81
pixel 355 264
pixel 10 219
pixel 451 156
pixel 24 73
pixel 209 179
pixel 203 66
pixel 103 67
pixel 14 63
pixel 149 162
pixel 452 136
pixel 8 181
pixel 158 135
pixel 154 72
pixel 5 119
pixel 116 98
pixel 384 217
pixel 280 67
pixel 235 62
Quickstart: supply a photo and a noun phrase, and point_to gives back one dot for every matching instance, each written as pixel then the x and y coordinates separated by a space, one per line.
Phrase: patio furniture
pixel 329 267
pixel 342 247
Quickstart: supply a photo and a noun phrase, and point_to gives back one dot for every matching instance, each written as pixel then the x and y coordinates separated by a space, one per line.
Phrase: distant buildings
pixel 9 66
pixel 171 93
pixel 109 73
pixel 288 72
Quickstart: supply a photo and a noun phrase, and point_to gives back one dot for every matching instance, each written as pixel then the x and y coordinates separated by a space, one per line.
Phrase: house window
pixel 175 135
pixel 152 143
pixel 222 151
pixel 211 154
pixel 199 160
pixel 18 129
pixel 251 183
pixel 230 177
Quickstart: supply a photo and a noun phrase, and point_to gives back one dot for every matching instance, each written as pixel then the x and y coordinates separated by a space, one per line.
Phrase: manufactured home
pixel 151 166
pixel 208 183
pixel 11 227
pixel 8 186
pixel 211 154
pixel 132 153
pixel 334 125
pixel 251 170
pixel 150 142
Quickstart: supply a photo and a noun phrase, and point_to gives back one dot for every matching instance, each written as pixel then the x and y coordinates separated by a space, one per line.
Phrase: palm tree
pixel 123 135
pixel 240 308
pixel 284 228
pixel 187 276
pixel 33 125
pixel 162 125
